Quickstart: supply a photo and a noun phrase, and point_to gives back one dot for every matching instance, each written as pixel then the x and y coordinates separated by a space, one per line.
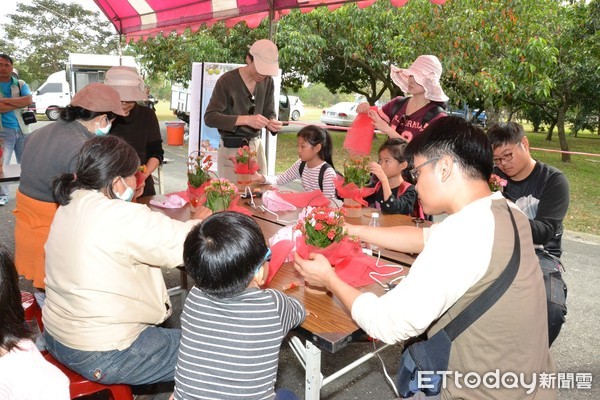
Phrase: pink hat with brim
pixel 98 97
pixel 426 70
pixel 127 82
pixel 266 57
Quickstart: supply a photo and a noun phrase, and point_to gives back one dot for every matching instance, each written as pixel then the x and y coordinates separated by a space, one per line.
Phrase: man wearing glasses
pixel 542 193
pixel 458 259
pixel 242 104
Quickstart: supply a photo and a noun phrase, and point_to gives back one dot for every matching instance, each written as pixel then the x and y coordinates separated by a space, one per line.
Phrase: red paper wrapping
pixel 233 206
pixel 350 263
pixel 139 178
pixel 305 199
pixel 351 191
pixel 243 168
pixel 195 195
pixel 359 138
pixel 279 253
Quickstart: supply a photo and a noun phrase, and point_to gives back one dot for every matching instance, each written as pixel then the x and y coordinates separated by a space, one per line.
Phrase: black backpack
pixel 321 172
pixel 429 115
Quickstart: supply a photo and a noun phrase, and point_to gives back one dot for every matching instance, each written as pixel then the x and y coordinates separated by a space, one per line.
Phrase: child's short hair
pixel 395 147
pixel 224 252
pixel 316 135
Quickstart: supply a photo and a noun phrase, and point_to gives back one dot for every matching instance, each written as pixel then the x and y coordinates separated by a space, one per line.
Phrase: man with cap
pixel 406 117
pixel 139 127
pixel 242 104
pixel 14 97
pixel 50 152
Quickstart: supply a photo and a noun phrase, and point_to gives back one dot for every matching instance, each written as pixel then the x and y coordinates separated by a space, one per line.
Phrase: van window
pixel 51 88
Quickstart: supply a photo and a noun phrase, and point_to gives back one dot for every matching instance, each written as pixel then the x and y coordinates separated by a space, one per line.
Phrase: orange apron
pixel 32 226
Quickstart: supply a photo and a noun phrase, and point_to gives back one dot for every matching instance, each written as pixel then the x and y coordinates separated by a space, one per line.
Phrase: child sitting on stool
pixel 231 328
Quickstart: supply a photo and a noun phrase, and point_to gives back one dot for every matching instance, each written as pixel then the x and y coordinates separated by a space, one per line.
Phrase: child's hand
pixel 376 170
pixel 256 177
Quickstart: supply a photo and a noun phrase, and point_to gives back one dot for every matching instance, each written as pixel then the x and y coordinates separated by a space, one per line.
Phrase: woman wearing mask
pixel 425 101
pixel 105 292
pixel 51 151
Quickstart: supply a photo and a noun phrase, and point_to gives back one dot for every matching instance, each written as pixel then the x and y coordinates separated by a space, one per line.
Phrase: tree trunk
pixel 564 146
pixel 551 130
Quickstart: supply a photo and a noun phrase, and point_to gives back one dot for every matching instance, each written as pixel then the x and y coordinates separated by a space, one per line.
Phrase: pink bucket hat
pixel 127 82
pixel 426 71
pixel 98 97
pixel 266 57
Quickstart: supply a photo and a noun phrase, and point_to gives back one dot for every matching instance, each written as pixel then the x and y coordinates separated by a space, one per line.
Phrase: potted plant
pixel 245 164
pixel 219 194
pixel 198 174
pixel 352 186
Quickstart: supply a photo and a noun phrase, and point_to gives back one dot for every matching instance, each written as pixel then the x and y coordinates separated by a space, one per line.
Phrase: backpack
pixel 429 115
pixel 418 210
pixel 321 172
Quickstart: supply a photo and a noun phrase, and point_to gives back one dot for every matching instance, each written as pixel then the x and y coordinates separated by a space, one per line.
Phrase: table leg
pixel 313 372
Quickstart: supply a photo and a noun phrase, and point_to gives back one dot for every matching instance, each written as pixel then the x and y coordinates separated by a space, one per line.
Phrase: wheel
pixel 53 113
pixel 295 115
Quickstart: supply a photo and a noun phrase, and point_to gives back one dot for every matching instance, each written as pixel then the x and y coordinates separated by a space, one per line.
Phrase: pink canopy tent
pixel 140 19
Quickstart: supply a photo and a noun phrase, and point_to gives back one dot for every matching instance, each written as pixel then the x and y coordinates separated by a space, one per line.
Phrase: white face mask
pixel 127 195
pixel 103 131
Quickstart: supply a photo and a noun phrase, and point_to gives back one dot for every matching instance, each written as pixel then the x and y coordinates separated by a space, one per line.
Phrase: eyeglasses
pixel 414 173
pixel 266 258
pixel 507 157
pixel 252 108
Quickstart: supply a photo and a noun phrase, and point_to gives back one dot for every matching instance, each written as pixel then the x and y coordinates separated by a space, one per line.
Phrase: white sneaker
pixel 3 200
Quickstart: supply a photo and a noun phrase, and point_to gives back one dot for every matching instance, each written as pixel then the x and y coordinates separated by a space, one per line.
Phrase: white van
pixel 53 95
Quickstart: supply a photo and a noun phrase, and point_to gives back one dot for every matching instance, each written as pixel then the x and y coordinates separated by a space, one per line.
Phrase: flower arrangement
pixel 219 194
pixel 198 167
pixel 322 226
pixel 496 183
pixel 356 170
pixel 245 160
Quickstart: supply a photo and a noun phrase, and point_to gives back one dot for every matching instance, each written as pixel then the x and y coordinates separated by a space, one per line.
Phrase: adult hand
pixel 139 190
pixel 202 212
pixel 274 125
pixel 315 269
pixel 378 122
pixel 256 121
pixel 376 170
pixel 363 107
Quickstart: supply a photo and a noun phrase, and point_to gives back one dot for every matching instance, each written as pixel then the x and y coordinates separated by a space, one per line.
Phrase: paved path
pixel 576 350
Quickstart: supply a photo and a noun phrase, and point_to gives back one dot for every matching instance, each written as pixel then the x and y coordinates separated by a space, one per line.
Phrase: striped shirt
pixel 230 347
pixel 310 178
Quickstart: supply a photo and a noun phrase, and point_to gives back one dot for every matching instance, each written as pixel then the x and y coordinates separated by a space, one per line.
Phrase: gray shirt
pixel 50 152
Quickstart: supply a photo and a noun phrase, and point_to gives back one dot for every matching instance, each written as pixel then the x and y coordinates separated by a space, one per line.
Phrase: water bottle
pixel 374 222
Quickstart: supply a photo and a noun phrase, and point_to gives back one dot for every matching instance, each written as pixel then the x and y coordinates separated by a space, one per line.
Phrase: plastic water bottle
pixel 374 222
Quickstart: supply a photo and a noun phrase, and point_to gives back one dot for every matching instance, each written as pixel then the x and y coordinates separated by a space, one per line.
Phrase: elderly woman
pixel 49 152
pixel 105 292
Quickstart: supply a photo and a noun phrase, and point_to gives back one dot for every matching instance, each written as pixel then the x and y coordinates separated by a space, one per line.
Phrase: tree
pixel 43 32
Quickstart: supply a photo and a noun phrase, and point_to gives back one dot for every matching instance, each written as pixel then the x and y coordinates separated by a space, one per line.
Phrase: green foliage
pixel 356 170
pixel 42 33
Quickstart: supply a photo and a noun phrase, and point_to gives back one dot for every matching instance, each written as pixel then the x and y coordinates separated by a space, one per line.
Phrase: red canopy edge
pixel 141 19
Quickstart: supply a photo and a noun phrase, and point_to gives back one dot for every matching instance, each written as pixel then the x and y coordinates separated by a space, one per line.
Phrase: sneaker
pixel 3 200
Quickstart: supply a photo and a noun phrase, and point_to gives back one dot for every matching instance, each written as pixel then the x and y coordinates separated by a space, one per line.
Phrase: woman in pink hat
pixel 406 117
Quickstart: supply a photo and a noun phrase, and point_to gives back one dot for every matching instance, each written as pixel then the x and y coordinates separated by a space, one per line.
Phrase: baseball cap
pixel 127 82
pixel 98 97
pixel 266 57
pixel 426 71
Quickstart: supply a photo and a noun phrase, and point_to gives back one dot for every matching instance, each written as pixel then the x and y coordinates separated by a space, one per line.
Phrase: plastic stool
pixel 78 385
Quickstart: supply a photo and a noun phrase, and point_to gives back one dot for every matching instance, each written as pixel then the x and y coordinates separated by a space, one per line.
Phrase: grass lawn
pixel 582 171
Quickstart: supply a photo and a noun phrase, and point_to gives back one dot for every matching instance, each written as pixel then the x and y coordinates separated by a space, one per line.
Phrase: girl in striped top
pixel 314 166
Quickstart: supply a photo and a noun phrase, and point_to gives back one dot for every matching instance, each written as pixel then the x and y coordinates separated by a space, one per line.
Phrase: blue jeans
pixel 151 358
pixel 13 143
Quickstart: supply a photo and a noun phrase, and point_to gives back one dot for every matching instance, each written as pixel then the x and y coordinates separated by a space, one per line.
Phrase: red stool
pixel 78 385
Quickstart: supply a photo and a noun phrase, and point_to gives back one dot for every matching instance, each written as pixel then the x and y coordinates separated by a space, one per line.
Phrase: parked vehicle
pixel 296 108
pixel 340 114
pixel 58 89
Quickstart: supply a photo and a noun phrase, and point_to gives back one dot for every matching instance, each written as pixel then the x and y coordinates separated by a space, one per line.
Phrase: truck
pixel 81 69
